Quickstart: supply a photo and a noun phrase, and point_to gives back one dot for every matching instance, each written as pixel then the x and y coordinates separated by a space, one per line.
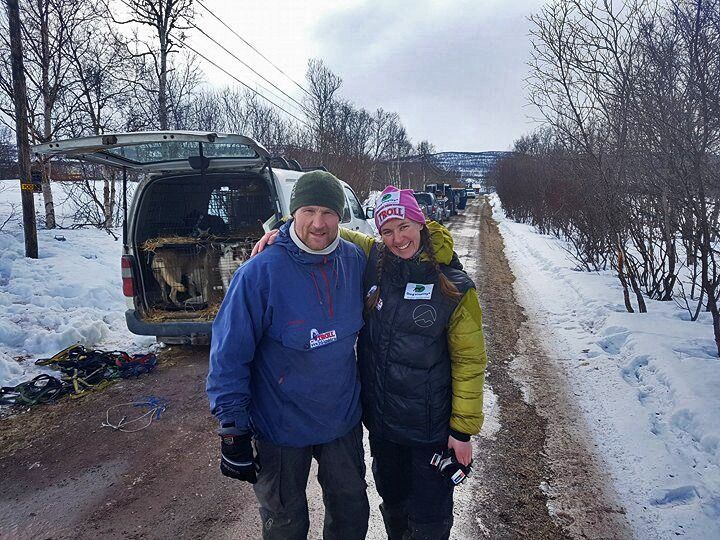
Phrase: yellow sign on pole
pixel 35 183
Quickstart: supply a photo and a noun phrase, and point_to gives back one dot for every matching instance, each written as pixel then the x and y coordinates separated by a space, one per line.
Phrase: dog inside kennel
pixel 194 233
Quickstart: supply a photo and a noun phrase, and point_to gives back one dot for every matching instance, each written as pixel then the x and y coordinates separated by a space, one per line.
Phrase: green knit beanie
pixel 318 188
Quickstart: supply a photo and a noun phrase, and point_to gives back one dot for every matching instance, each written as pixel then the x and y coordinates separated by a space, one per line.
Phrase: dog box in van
pixel 204 201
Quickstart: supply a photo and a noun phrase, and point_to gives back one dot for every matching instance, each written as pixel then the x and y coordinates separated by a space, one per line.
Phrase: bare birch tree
pixel 48 26
pixel 323 86
pixel 166 20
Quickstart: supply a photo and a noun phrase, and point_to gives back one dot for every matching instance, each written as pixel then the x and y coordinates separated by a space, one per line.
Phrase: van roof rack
pixel 279 161
pixel 282 163
pixel 316 168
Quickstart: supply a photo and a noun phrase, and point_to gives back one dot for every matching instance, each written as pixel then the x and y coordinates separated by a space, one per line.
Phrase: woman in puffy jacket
pixel 422 363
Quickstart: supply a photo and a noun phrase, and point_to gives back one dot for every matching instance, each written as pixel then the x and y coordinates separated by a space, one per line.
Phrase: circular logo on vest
pixel 424 315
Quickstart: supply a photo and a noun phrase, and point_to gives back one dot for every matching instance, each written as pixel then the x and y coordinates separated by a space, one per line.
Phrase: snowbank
pixel 648 384
pixel 71 294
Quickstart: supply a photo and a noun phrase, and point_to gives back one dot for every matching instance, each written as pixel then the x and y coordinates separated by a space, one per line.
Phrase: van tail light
pixel 126 263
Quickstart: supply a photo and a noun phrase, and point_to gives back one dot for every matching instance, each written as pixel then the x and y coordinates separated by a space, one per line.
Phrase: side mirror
pixel 369 212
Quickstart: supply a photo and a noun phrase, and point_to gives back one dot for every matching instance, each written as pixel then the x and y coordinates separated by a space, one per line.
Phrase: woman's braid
pixel 447 287
pixel 373 299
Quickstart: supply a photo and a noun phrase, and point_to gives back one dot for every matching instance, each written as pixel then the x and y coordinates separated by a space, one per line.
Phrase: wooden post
pixel 21 130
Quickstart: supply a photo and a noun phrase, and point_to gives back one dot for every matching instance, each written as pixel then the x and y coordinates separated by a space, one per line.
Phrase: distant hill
pixel 470 165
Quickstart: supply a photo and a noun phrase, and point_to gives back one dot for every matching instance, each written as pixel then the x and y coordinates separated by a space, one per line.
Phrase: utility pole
pixel 21 130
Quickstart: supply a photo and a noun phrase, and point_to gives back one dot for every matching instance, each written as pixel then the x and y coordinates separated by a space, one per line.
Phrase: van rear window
pixel 217 206
pixel 180 151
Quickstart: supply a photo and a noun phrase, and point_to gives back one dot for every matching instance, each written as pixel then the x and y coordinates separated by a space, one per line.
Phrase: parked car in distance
pixel 471 193
pixel 429 205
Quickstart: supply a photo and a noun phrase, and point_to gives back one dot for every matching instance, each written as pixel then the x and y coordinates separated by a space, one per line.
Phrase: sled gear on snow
pixel 42 389
pixel 81 370
pixel 237 459
pixel 89 361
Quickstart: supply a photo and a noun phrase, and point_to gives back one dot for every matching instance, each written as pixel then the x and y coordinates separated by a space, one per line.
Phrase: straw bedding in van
pixel 161 315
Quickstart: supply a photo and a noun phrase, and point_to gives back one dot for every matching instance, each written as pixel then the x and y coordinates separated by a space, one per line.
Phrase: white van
pixel 205 200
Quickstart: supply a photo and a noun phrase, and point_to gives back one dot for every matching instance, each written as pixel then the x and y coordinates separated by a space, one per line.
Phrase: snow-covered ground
pixel 649 384
pixel 72 293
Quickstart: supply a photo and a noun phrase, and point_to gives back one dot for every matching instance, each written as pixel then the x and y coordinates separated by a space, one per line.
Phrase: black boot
pixel 439 530
pixel 396 521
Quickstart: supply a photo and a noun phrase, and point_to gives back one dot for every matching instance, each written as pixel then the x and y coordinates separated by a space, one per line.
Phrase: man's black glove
pixel 237 457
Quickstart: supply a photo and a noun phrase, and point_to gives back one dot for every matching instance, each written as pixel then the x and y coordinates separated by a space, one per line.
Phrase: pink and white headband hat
pixel 395 203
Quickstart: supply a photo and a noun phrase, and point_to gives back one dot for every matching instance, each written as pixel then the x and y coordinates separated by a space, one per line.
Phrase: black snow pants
pixel 417 499
pixel 282 482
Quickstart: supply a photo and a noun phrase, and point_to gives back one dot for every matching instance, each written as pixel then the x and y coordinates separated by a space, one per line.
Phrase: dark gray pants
pixel 282 482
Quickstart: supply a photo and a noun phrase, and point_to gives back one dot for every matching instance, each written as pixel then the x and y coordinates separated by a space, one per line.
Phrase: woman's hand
pixel 267 239
pixel 463 450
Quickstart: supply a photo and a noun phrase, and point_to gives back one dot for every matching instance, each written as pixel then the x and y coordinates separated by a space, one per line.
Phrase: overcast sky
pixel 453 70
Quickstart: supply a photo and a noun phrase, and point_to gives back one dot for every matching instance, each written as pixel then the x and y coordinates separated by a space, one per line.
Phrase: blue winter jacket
pixel 282 360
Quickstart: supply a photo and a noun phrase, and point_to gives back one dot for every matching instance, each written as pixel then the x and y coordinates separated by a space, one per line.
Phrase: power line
pixel 300 105
pixel 185 44
pixel 296 105
pixel 251 46
pixel 241 82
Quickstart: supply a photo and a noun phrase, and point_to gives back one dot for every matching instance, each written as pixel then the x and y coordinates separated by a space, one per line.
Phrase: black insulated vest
pixel 403 353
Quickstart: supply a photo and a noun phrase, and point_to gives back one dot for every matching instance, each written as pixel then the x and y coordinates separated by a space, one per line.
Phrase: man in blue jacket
pixel 283 370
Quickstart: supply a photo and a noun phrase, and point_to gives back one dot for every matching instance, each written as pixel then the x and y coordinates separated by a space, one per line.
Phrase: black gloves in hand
pixel 447 464
pixel 237 458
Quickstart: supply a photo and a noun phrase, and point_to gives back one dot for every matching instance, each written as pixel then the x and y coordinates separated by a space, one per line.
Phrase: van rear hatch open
pixel 193 221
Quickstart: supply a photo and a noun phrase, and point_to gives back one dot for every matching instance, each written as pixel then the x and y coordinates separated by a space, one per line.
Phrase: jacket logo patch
pixel 318 340
pixel 424 315
pixel 418 291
